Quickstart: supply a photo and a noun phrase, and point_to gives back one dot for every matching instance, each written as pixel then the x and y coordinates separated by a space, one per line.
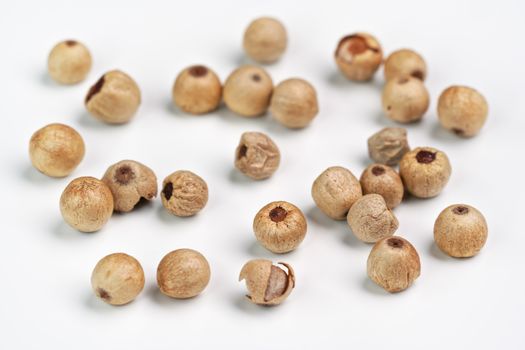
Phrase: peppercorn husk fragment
pixel 388 145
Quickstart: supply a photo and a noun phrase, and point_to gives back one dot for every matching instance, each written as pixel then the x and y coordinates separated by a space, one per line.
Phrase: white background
pixel 45 266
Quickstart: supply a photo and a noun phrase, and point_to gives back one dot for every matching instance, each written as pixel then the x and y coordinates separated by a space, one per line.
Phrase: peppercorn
pixel 86 204
pixel 69 62
pixel 358 56
pixel 117 279
pixel 460 231
pixel 184 193
pixel 257 156
pixel 425 171
pixel 129 182
pixel 294 103
pixel 385 181
pixel 335 191
pixel 267 284
pixel 393 264
pixel 388 145
pixel 280 227
pixel 462 110
pixel 405 99
pixel 405 62
pixel 114 98
pixel 197 90
pixel 247 91
pixel 56 150
pixel 265 40
pixel 371 220
pixel 183 273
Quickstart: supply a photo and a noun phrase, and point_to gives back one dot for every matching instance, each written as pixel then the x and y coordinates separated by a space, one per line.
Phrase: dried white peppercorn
pixel 385 181
pixel 358 56
pixel 265 40
pixel 257 156
pixel 405 99
pixel 393 264
pixel 460 231
pixel 388 146
pixel 405 62
pixel 184 193
pixel 129 182
pixel 197 90
pixel 69 62
pixel 294 103
pixel 267 284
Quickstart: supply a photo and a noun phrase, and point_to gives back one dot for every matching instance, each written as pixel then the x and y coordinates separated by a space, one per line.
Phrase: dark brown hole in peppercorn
pixel 277 284
pixel 425 157
pixel 388 108
pixel 378 170
pixel 102 293
pixel 168 191
pixel 460 210
pixel 395 242
pixel 95 89
pixel 124 175
pixel 198 71
pixel 242 152
pixel 278 214
pixel 70 42
pixel 458 131
pixel 256 77
pixel 403 81
pixel 417 74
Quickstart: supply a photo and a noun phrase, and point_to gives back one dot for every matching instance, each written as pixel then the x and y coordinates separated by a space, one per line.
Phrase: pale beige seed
pixel 385 181
pixel 265 40
pixel 405 62
pixel 257 156
pixel 69 62
pixel 358 56
pixel 197 90
pixel 184 193
pixel 388 145
pixel 294 103
pixel 405 99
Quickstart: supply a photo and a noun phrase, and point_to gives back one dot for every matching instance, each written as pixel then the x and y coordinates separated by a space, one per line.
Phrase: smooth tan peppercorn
pixel 280 227
pixel 405 99
pixel 56 150
pixel 385 181
pixel 267 284
pixel 358 56
pixel 462 110
pixel 460 231
pixel 114 98
pixel 257 156
pixel 294 103
pixel 335 191
pixel 405 62
pixel 184 193
pixel 425 171
pixel 117 279
pixel 371 220
pixel 265 40
pixel 129 182
pixel 86 204
pixel 197 90
pixel 388 145
pixel 69 62
pixel 183 273
pixel 247 91
pixel 393 264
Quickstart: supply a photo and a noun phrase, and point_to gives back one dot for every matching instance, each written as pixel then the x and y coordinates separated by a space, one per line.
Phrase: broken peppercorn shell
pixel 247 91
pixel 388 145
pixel 267 284
pixel 56 150
pixel 117 279
pixel 86 204
pixel 371 220
pixel 197 90
pixel 279 227
pixel 385 181
pixel 393 264
pixel 114 98
pixel 405 62
pixel 460 231
pixel 425 171
pixel 265 40
pixel 184 193
pixel 294 103
pixel 257 156
pixel 129 182
pixel 69 62
pixel 183 273
pixel 335 191
pixel 405 99
pixel 462 110
pixel 358 56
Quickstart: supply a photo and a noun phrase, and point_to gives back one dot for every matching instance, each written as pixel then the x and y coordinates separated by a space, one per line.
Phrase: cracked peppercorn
pixel 358 56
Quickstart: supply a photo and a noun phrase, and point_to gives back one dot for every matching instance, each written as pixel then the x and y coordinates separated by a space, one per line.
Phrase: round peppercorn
pixel 197 90
pixel 294 103
pixel 405 99
pixel 184 193
pixel 405 62
pixel 385 181
pixel 257 156
pixel 358 56
pixel 265 40
pixel 69 62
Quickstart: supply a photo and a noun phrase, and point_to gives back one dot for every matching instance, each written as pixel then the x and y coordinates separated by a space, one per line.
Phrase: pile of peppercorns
pixel 87 203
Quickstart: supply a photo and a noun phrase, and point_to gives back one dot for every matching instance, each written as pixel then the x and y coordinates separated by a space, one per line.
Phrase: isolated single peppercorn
pixel 358 56
pixel 197 90
pixel 56 150
pixel 267 284
pixel 294 103
pixel 405 62
pixel 69 62
pixel 265 40
pixel 388 145
pixel 257 156
pixel 184 193
pixel 405 99
pixel 385 181
pixel 462 110
pixel 460 231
